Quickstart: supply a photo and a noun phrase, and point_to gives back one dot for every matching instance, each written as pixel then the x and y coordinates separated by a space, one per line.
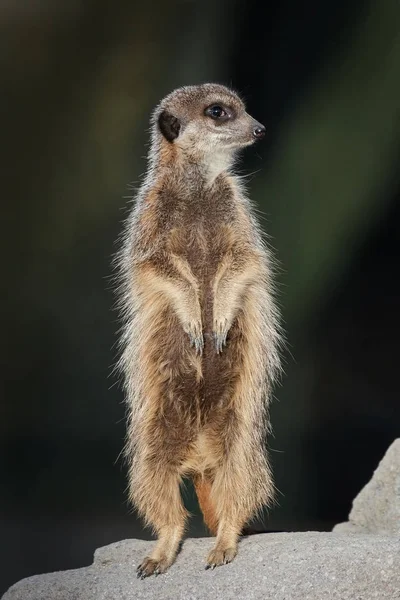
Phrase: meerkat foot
pixel 220 556
pixel 152 566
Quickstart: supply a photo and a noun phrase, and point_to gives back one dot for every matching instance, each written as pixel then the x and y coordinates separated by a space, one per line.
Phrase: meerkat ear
pixel 169 125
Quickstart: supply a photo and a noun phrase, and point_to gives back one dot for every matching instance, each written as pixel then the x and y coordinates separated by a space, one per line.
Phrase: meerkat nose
pixel 259 131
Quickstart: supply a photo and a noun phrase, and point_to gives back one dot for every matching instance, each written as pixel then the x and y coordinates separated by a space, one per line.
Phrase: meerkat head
pixel 208 122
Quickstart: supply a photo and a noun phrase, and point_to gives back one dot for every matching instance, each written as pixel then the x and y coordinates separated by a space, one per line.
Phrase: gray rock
pixel 376 509
pixel 276 566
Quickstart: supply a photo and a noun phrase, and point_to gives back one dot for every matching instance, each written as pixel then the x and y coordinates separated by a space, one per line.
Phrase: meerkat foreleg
pixel 233 277
pixel 176 281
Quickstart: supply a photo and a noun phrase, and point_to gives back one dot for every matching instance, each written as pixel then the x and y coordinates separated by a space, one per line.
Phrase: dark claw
pixel 220 341
pixel 140 573
pixel 197 342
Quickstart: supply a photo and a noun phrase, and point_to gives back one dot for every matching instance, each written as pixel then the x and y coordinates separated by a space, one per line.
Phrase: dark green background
pixel 78 83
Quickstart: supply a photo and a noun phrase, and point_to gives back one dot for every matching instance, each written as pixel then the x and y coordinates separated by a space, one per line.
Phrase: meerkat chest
pixel 203 227
pixel 202 243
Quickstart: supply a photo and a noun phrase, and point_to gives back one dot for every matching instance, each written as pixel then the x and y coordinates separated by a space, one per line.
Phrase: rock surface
pixel 376 509
pixel 276 566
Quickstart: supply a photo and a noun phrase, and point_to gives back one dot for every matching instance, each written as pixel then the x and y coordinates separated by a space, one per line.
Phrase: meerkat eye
pixel 215 111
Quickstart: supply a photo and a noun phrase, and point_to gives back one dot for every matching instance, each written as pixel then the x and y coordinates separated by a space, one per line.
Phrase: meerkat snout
pixel 259 131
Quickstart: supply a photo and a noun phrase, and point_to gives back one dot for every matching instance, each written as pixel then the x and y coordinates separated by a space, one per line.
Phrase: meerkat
pixel 201 332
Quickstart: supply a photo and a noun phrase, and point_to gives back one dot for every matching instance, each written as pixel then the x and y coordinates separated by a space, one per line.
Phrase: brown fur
pixel 195 269
pixel 203 485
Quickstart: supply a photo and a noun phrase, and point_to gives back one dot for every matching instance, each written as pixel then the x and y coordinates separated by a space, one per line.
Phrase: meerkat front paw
pixel 195 333
pixel 220 332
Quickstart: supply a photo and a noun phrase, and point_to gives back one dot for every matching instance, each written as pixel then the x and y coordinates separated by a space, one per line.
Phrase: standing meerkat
pixel 201 334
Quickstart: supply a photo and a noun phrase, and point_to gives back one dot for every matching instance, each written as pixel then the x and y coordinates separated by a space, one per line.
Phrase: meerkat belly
pixel 220 371
pixel 215 375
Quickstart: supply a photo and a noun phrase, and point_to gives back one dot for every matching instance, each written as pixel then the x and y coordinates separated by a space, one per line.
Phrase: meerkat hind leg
pixel 203 486
pixel 164 510
pixel 164 554
pixel 226 546
pixel 234 507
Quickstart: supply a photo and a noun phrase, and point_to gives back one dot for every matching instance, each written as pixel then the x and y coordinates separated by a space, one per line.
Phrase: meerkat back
pixel 200 343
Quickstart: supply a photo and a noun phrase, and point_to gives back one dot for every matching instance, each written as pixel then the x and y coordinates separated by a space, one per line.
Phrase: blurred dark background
pixel 79 80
